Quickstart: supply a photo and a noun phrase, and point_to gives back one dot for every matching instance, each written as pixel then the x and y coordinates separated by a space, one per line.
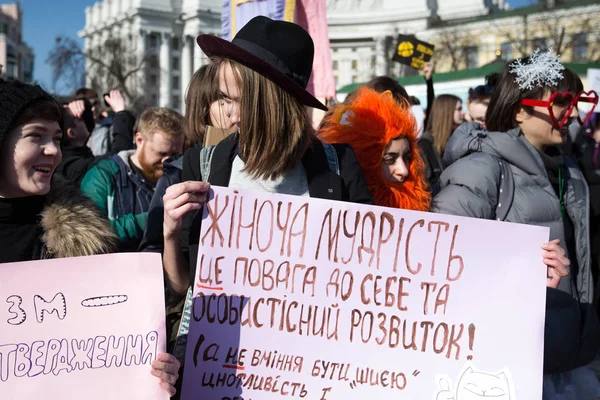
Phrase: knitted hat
pixel 14 97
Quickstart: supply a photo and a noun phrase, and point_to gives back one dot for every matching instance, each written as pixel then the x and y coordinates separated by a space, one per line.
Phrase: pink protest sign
pixel 305 298
pixel 82 328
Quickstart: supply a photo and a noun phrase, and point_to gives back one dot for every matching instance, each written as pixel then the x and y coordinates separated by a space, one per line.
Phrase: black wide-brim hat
pixel 280 51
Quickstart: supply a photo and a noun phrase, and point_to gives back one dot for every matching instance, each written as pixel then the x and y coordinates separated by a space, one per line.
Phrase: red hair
pixel 369 124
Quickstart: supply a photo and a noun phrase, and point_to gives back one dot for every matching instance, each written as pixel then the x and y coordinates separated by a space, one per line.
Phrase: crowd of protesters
pixel 76 180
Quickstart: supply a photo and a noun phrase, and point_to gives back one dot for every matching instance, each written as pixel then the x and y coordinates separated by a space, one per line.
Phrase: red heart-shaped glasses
pixel 564 103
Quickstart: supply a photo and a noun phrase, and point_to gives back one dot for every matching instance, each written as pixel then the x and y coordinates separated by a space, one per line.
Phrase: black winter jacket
pixel 153 240
pixel 76 161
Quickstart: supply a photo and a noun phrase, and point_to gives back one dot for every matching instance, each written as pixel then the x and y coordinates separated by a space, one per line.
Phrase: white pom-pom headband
pixel 543 69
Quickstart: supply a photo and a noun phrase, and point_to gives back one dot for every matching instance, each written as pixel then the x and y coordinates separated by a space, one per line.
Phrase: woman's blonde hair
pixel 275 129
pixel 441 120
pixel 202 91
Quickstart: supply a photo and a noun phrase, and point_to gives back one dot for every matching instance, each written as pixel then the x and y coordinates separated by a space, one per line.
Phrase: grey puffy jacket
pixel 471 185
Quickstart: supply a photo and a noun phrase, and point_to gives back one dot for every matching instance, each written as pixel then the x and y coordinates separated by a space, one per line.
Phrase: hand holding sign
pixel 428 70
pixel 554 258
pixel 166 368
pixel 178 200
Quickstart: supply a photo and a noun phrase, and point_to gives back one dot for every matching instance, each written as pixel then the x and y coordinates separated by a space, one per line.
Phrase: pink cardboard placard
pixel 306 298
pixel 82 328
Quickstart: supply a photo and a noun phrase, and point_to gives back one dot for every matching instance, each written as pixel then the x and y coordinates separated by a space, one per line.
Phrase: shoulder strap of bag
pixel 205 159
pixel 506 191
pixel 332 158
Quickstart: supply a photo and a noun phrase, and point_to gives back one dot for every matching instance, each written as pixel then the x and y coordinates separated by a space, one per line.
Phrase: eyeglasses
pixel 561 105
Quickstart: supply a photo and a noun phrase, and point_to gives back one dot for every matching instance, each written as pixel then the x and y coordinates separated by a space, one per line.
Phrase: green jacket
pixel 122 195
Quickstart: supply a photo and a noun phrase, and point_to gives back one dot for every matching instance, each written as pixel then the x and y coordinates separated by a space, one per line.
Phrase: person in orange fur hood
pixel 383 134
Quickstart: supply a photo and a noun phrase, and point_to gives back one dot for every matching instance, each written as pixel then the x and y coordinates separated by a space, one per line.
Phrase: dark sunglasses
pixel 567 101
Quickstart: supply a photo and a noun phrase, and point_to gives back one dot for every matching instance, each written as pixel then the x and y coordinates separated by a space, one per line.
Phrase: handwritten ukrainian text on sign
pixel 305 298
pixel 81 328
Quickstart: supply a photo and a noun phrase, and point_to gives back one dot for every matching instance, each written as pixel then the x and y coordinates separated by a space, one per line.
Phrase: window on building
pixel 175 64
pixel 335 65
pixel 175 43
pixel 354 49
pixel 11 52
pixel 540 43
pixel 11 70
pixel 354 78
pixel 354 65
pixel 175 101
pixel 175 82
pixel 3 27
pixel 153 41
pixel 153 61
pixel 472 57
pixel 373 61
pixel 506 51
pixel 580 47
pixel 153 80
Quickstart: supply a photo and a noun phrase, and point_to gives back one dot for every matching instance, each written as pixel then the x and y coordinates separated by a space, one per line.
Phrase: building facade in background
pixel 363 33
pixel 468 34
pixel 16 58
pixel 468 47
pixel 160 32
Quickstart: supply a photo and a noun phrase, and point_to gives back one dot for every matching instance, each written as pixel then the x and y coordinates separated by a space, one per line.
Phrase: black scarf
pixel 554 163
pixel 555 167
pixel 20 231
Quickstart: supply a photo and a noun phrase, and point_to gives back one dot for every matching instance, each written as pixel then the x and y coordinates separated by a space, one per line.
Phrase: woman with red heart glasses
pixel 515 171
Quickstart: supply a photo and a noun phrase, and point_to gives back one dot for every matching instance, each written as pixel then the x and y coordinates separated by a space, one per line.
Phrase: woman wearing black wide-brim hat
pixel 263 74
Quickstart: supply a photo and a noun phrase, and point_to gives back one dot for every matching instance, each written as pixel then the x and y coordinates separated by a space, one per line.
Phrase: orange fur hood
pixel 368 124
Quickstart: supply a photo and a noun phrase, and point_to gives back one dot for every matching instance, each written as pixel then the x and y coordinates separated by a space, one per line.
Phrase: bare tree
pixel 109 66
pixel 556 29
pixel 515 34
pixel 562 35
pixel 67 61
pixel 452 44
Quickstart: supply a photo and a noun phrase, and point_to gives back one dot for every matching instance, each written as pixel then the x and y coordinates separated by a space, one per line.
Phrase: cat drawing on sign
pixel 476 385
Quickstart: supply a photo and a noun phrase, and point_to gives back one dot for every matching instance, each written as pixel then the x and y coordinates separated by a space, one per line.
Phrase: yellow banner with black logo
pixel 413 52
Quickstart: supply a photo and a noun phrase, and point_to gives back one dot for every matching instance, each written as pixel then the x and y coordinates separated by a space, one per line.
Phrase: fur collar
pixel 72 224
pixel 368 124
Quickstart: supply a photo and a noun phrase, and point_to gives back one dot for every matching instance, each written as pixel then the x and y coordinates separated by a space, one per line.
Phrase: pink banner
pixel 236 13
pixel 82 328
pixel 312 15
pixel 314 299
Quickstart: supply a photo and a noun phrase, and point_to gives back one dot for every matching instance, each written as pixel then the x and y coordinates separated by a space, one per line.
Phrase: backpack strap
pixel 184 327
pixel 332 158
pixel 506 190
pixel 205 159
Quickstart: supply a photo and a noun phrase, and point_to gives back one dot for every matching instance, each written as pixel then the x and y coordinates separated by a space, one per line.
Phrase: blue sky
pixel 44 20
